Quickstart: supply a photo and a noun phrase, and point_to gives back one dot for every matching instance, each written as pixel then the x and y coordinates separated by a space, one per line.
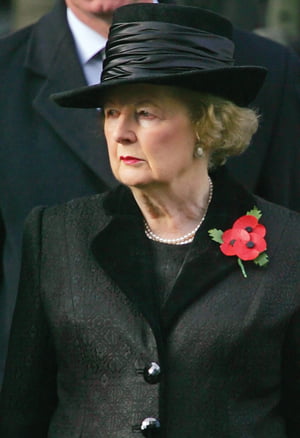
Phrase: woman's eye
pixel 144 114
pixel 110 112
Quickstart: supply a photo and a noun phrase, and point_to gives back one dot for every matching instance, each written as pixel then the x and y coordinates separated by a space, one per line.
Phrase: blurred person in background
pixel 245 15
pixel 49 154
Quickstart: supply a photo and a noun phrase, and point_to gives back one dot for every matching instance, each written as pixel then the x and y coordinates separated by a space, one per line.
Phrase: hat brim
pixel 239 84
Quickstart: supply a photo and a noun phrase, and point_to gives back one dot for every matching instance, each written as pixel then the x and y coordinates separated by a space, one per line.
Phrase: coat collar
pixel 52 59
pixel 127 254
pixel 123 251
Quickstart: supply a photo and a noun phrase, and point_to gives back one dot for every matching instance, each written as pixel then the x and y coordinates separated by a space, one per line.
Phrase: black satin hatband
pixel 148 48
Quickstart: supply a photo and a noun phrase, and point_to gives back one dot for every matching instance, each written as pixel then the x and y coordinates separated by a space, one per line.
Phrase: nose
pixel 124 132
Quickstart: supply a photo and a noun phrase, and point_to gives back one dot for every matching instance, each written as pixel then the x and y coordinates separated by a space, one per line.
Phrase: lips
pixel 130 160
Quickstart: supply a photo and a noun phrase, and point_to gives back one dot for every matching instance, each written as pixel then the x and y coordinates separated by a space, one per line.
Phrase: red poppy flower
pixel 231 238
pixel 246 246
pixel 245 239
pixel 250 224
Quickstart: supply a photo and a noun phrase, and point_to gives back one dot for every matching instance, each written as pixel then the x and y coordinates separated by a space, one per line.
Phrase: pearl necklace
pixel 187 238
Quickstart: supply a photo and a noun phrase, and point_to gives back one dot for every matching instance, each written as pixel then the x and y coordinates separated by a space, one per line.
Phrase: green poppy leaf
pixel 262 259
pixel 255 212
pixel 216 235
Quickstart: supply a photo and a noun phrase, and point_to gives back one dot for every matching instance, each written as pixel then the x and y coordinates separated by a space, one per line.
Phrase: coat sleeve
pixel 28 396
pixel 291 378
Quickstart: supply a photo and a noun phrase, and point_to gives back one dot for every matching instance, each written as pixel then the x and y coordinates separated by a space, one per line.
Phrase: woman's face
pixel 149 134
pixel 100 7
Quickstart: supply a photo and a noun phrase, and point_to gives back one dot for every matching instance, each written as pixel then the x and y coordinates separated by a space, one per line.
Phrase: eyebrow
pixel 145 102
pixel 137 103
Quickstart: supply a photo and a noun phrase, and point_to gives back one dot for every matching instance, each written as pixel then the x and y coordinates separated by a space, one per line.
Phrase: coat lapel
pixel 52 58
pixel 205 265
pixel 127 256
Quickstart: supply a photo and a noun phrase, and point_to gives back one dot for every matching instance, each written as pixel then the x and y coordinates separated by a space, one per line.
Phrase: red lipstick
pixel 130 160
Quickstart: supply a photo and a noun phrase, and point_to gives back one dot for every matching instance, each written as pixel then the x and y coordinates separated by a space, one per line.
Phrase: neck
pixel 172 212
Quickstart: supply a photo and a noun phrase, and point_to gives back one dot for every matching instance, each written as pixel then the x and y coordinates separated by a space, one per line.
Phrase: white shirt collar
pixel 88 42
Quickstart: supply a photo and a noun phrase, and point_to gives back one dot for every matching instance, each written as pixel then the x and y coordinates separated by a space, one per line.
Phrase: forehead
pixel 130 94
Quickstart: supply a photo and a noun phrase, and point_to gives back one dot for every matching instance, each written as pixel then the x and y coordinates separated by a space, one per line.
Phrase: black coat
pixel 87 323
pixel 49 154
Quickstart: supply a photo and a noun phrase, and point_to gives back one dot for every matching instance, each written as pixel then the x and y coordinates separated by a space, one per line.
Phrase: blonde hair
pixel 222 128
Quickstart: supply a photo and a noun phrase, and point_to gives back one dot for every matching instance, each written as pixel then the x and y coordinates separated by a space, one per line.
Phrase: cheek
pixel 173 140
pixel 163 139
pixel 108 133
pixel 112 154
pixel 107 130
pixel 111 146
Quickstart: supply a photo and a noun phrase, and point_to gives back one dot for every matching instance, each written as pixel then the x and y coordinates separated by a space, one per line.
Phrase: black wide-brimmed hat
pixel 170 45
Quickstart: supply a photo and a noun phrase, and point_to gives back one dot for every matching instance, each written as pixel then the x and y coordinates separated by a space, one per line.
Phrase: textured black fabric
pixel 207 20
pixel 168 261
pixel 228 346
pixel 173 49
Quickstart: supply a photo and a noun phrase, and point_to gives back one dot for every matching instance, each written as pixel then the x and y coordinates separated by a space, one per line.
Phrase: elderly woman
pixel 170 306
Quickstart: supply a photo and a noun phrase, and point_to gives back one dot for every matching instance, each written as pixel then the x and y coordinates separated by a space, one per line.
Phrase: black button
pixel 149 424
pixel 152 373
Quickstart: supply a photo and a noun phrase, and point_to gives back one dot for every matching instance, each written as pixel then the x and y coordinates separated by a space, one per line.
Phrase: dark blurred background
pixel 15 14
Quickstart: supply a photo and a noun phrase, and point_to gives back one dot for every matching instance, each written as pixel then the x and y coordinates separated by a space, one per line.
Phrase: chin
pixel 133 179
pixel 135 182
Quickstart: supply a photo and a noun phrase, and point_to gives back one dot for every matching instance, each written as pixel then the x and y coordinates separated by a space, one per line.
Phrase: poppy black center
pixel 249 229
pixel 250 244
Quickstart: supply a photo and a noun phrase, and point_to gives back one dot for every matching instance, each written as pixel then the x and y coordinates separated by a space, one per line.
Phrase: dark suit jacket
pixel 49 154
pixel 87 323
